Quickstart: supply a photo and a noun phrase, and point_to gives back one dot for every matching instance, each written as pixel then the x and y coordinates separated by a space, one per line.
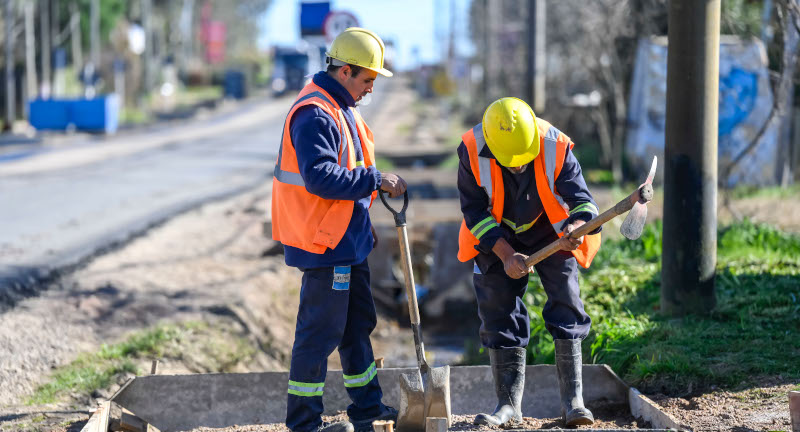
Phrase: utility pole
pixel 55 23
pixel 75 37
pixel 494 11
pixel 94 33
pixel 147 23
pixel 8 17
pixel 535 77
pixel 487 28
pixel 451 39
pixel 30 51
pixel 44 17
pixel 187 10
pixel 690 180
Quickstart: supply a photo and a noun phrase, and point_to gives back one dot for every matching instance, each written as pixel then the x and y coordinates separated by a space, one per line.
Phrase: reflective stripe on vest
pixel 550 159
pixel 484 164
pixel 524 227
pixel 296 179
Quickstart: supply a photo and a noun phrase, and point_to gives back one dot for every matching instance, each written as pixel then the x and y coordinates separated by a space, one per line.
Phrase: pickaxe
pixel 631 228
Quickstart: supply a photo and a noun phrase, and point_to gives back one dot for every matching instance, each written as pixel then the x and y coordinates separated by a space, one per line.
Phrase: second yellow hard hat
pixel 360 47
pixel 509 127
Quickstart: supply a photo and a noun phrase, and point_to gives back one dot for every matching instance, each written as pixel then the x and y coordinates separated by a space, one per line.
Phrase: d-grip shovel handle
pixel 399 216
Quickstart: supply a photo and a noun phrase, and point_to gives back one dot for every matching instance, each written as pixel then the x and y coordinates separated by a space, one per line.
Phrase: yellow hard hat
pixel 509 127
pixel 359 47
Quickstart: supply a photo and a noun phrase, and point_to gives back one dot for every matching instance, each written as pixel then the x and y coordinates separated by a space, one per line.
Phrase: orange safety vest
pixel 547 166
pixel 300 218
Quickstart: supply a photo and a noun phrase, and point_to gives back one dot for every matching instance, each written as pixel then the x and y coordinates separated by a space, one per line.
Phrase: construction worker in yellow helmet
pixel 325 181
pixel 521 188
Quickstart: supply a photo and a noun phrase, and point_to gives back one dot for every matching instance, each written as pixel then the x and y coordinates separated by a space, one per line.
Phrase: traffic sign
pixel 337 22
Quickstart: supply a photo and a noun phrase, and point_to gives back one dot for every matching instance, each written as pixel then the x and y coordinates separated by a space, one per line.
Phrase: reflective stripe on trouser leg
pixel 564 316
pixel 355 350
pixel 321 321
pixel 504 317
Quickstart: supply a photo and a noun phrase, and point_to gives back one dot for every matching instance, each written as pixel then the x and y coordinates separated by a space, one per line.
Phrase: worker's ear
pixel 346 71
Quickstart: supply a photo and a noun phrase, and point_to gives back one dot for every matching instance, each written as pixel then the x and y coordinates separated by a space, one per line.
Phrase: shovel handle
pixel 643 194
pixel 408 279
pixel 399 216
pixel 411 295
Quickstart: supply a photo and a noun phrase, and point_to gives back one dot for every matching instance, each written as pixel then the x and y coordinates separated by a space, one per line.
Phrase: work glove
pixel 374 237
pixel 393 184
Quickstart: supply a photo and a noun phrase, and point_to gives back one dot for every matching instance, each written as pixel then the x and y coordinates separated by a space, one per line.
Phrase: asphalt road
pixel 56 217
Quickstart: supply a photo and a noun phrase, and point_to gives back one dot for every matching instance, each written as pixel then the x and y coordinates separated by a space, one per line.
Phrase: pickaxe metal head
pixel 632 227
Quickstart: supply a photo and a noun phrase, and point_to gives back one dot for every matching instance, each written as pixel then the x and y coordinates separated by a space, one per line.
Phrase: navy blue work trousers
pixel 336 310
pixel 504 318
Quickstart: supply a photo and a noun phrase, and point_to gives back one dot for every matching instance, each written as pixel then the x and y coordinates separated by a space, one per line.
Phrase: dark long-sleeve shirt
pixel 317 143
pixel 525 225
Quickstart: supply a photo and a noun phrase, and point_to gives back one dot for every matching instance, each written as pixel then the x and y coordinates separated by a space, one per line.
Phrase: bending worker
pixel 521 188
pixel 325 181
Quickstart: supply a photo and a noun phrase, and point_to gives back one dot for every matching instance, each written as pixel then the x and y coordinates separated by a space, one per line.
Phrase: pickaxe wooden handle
pixel 643 194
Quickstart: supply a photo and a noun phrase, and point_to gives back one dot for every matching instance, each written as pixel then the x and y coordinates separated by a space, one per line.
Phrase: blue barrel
pixel 234 84
pixel 100 114
pixel 49 114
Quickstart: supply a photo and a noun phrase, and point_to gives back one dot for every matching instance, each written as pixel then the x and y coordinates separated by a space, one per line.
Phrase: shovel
pixel 631 228
pixel 426 392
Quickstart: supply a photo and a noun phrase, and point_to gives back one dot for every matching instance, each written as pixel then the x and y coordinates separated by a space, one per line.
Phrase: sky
pixel 409 23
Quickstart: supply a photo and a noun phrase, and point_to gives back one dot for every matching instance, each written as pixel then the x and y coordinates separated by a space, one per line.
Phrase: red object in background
pixel 212 34
pixel 215 42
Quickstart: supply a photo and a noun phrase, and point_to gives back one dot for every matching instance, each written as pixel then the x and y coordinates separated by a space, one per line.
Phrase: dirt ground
pixel 606 417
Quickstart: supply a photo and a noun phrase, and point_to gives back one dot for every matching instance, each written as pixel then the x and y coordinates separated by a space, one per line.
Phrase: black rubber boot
pixel 508 368
pixel 342 426
pixel 570 366
pixel 387 413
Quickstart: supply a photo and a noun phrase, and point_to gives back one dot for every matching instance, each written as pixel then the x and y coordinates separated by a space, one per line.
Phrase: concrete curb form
pixel 180 402
pixel 642 407
pixel 98 421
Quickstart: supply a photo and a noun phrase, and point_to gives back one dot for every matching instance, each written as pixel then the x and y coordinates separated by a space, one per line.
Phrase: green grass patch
pixel 210 349
pixel 599 176
pixel 133 116
pixel 742 192
pixel 189 96
pixel 752 331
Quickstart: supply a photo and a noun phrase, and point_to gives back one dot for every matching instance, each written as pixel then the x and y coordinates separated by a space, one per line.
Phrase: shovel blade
pixel 411 411
pixel 632 227
pixel 437 393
